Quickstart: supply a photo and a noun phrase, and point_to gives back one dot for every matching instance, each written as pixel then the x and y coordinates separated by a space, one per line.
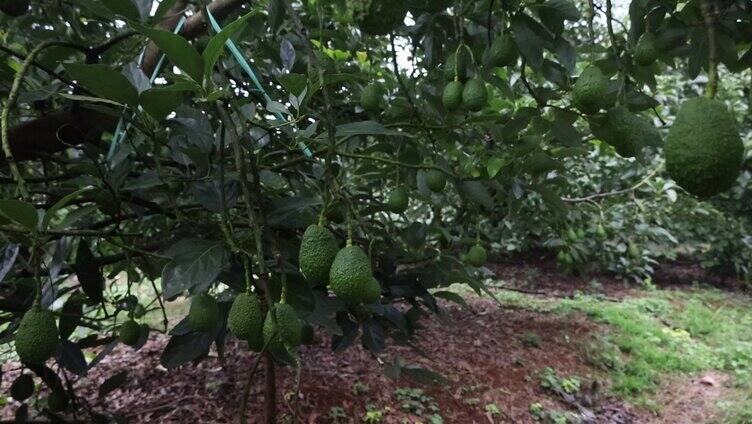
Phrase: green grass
pixel 664 333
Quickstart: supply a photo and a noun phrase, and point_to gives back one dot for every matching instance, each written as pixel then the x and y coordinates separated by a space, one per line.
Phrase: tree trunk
pixel 270 390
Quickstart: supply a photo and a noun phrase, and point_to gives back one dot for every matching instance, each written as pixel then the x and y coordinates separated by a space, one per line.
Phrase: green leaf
pixel 185 348
pixel 293 83
pixel 526 33
pixel 105 82
pixel 476 192
pixel 89 272
pixel 59 205
pixel 366 128
pixel 452 297
pixel 112 383
pixel 124 8
pixel 20 212
pixel 494 165
pixel 160 101
pixel 180 52
pixel 89 99
pixel 215 46
pixel 564 8
pixel 195 265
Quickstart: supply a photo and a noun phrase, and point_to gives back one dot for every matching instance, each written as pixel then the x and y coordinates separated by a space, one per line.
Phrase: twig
pixel 612 193
pixel 709 19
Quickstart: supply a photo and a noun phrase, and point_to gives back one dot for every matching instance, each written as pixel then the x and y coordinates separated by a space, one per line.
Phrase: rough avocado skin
pixel 22 387
pixel 37 336
pixel 14 8
pixel 645 52
pixel 317 251
pixel 372 292
pixel 626 131
pixel 475 95
pixel 435 180
pixel 377 17
pixel 289 327
pixel 502 52
pixel 452 97
pixel 370 97
pixel 457 64
pixel 129 332
pixel 476 256
pixel 245 319
pixel 350 274
pixel 398 200
pixel 204 313
pixel 589 92
pixel 704 152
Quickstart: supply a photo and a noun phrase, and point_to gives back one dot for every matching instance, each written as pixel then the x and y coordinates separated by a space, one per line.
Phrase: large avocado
pixel 350 275
pixel 317 251
pixel 589 92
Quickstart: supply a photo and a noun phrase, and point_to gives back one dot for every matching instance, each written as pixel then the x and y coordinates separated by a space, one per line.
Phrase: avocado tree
pixel 302 167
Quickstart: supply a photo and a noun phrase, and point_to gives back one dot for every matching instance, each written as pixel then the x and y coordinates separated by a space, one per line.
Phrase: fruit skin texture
pixel 37 336
pixel 704 152
pixel 372 292
pixel 14 8
pixel 645 52
pixel 317 251
pixel 475 95
pixel 245 319
pixel 289 327
pixel 502 52
pixel 57 401
pixel 129 332
pixel 435 180
pixel 589 92
pixel 204 313
pixel 626 131
pixel 370 97
pixel 398 200
pixel 457 64
pixel 22 387
pixel 476 256
pixel 377 17
pixel 350 275
pixel 452 97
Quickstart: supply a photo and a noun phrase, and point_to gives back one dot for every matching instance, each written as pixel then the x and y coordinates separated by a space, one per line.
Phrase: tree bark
pixel 270 390
pixel 64 128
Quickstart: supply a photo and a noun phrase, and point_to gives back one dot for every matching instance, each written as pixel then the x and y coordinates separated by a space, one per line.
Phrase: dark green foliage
pixel 430 6
pixel 204 313
pixel 626 131
pixel 245 319
pixel 57 401
pixel 129 332
pixel 377 17
pixel 398 200
pixel 288 330
pixel 645 52
pixel 435 180
pixel 475 95
pixel 502 52
pixel 350 275
pixel 704 151
pixel 589 92
pixel 476 256
pixel 317 251
pixel 22 387
pixel 37 336
pixel 452 96
pixel 370 97
pixel 14 8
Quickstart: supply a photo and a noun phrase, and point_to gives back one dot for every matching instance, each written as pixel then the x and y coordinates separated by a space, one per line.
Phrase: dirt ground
pixel 482 351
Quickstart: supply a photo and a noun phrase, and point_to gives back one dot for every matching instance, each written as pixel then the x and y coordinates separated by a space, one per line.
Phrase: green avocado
pixel 317 251
pixel 370 97
pixel 37 336
pixel 590 90
pixel 245 319
pixel 645 52
pixel 288 330
pixel 704 152
pixel 457 64
pixel 377 17
pixel 399 109
pixel 129 332
pixel 435 180
pixel 452 97
pixel 22 387
pixel 476 256
pixel 502 52
pixel 372 292
pixel 203 314
pixel 627 132
pixel 350 275
pixel 14 8
pixel 398 200
pixel 475 95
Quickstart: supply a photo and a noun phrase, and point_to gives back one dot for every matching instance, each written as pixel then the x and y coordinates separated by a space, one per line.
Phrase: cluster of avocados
pixel 347 271
pixel 14 8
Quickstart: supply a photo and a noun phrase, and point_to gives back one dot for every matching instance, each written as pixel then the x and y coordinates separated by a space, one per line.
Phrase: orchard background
pixel 376 211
